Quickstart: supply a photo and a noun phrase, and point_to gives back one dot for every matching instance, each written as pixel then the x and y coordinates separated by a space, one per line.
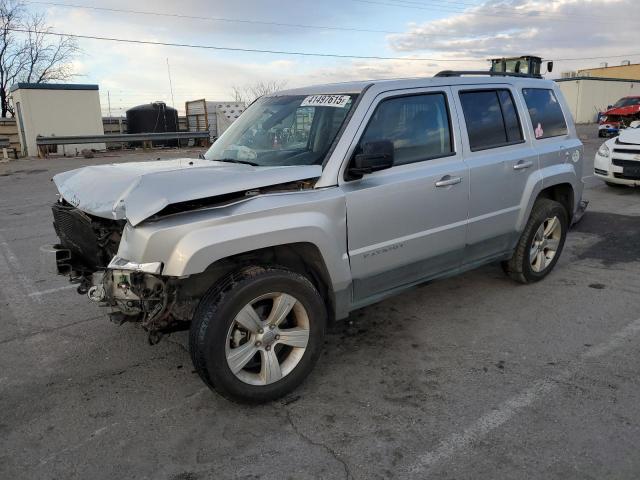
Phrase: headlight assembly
pixel 118 263
pixel 604 151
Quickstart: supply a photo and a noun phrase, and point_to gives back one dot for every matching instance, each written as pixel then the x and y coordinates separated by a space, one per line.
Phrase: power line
pixel 238 49
pixel 565 18
pixel 591 58
pixel 437 5
pixel 212 19
pixel 230 20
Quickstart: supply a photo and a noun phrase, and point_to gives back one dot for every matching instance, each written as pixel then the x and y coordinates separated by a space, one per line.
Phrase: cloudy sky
pixel 445 33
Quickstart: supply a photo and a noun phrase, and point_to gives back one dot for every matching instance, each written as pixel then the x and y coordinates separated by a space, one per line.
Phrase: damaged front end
pixel 98 202
pixel 87 253
pixel 138 296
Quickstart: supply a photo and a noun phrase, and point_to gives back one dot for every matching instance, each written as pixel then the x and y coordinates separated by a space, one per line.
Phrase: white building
pixel 57 109
pixel 587 96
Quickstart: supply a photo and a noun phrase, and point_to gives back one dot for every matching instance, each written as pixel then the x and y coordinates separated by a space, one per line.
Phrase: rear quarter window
pixel 545 112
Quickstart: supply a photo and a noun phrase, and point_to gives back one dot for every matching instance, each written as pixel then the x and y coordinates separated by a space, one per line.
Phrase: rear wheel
pixel 258 334
pixel 540 244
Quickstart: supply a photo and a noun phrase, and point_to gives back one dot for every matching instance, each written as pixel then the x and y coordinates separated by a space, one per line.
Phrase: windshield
pixel 627 102
pixel 283 130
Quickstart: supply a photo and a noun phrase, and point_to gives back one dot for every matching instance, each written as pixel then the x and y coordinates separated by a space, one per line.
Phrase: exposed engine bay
pixel 88 244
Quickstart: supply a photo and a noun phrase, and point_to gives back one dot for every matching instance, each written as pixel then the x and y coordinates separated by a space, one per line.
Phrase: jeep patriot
pixel 318 201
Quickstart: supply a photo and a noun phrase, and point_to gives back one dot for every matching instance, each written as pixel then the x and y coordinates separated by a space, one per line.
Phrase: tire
pixel 528 265
pixel 218 330
pixel 601 134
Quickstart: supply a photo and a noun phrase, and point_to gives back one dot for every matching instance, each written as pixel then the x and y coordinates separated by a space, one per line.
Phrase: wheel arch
pixel 562 193
pixel 304 258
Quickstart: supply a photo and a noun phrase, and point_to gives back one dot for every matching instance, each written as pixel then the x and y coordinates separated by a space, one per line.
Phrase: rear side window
pixel 545 112
pixel 491 118
pixel 418 126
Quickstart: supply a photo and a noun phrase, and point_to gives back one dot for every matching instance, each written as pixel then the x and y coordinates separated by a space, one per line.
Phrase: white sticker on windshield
pixel 339 101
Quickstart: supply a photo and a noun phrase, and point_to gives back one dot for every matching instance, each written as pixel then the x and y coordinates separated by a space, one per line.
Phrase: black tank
pixel 153 117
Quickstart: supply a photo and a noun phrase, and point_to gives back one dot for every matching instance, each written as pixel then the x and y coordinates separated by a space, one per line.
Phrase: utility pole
pixel 109 103
pixel 173 103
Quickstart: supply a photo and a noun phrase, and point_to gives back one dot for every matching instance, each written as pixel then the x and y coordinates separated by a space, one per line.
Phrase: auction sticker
pixel 339 101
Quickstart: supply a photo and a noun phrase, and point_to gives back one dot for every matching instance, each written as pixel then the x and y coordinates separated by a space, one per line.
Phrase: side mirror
pixel 375 156
pixel 549 67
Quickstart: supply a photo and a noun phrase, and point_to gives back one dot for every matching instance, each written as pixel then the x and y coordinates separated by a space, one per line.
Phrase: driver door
pixel 408 223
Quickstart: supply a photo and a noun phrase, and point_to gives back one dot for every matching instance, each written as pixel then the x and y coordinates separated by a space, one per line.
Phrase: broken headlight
pixel 118 263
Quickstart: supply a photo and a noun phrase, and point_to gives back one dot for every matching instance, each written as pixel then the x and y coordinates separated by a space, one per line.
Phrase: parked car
pixel 618 116
pixel 617 161
pixel 376 187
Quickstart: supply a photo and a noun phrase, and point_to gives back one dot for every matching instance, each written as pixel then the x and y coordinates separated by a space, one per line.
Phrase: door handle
pixel 447 181
pixel 522 164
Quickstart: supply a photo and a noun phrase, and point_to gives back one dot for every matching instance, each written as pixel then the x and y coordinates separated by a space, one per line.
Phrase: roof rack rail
pixel 459 73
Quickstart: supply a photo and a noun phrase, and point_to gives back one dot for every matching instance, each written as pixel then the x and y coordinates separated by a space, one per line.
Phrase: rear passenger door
pixel 501 161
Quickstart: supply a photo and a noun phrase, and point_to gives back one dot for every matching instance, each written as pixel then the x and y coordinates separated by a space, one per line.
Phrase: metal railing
pixel 118 138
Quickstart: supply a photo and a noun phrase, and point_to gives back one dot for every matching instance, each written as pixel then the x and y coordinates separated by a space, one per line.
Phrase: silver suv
pixel 316 202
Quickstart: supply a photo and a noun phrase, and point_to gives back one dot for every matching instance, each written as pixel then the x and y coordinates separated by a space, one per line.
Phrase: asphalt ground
pixel 471 377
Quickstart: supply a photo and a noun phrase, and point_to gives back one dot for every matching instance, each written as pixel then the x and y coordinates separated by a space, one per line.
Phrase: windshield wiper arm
pixel 233 160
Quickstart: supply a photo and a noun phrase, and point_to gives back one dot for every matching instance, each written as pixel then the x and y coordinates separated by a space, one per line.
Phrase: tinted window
pixel 417 125
pixel 545 112
pixel 491 118
pixel 511 120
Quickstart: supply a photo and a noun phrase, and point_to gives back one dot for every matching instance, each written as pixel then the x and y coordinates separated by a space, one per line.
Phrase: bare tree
pixel 28 53
pixel 248 93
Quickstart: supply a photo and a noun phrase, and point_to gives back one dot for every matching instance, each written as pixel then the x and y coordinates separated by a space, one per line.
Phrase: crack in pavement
pixel 310 441
pixel 182 347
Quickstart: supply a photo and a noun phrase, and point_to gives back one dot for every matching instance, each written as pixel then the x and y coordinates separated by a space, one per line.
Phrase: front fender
pixel 188 243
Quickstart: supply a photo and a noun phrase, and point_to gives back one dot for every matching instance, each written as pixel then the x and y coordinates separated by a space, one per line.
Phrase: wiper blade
pixel 233 160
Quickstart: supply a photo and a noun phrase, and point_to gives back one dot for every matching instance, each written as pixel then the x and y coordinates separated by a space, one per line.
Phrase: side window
pixel 491 118
pixel 545 112
pixel 418 126
pixel 511 120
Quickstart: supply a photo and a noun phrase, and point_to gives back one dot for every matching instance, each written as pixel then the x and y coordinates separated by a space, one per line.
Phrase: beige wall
pixel 58 112
pixel 627 72
pixel 588 97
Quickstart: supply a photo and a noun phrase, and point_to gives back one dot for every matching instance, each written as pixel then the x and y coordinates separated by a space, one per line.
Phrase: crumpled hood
pixel 138 190
pixel 630 135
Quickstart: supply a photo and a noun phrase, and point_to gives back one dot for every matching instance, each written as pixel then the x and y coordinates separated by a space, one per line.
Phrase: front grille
pixel 78 235
pixel 625 163
pixel 627 176
pixel 628 151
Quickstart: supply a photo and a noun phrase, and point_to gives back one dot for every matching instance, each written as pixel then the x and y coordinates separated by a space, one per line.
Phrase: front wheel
pixel 258 333
pixel 540 244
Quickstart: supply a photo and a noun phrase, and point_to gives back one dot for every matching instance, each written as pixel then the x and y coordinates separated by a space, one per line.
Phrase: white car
pixel 617 161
